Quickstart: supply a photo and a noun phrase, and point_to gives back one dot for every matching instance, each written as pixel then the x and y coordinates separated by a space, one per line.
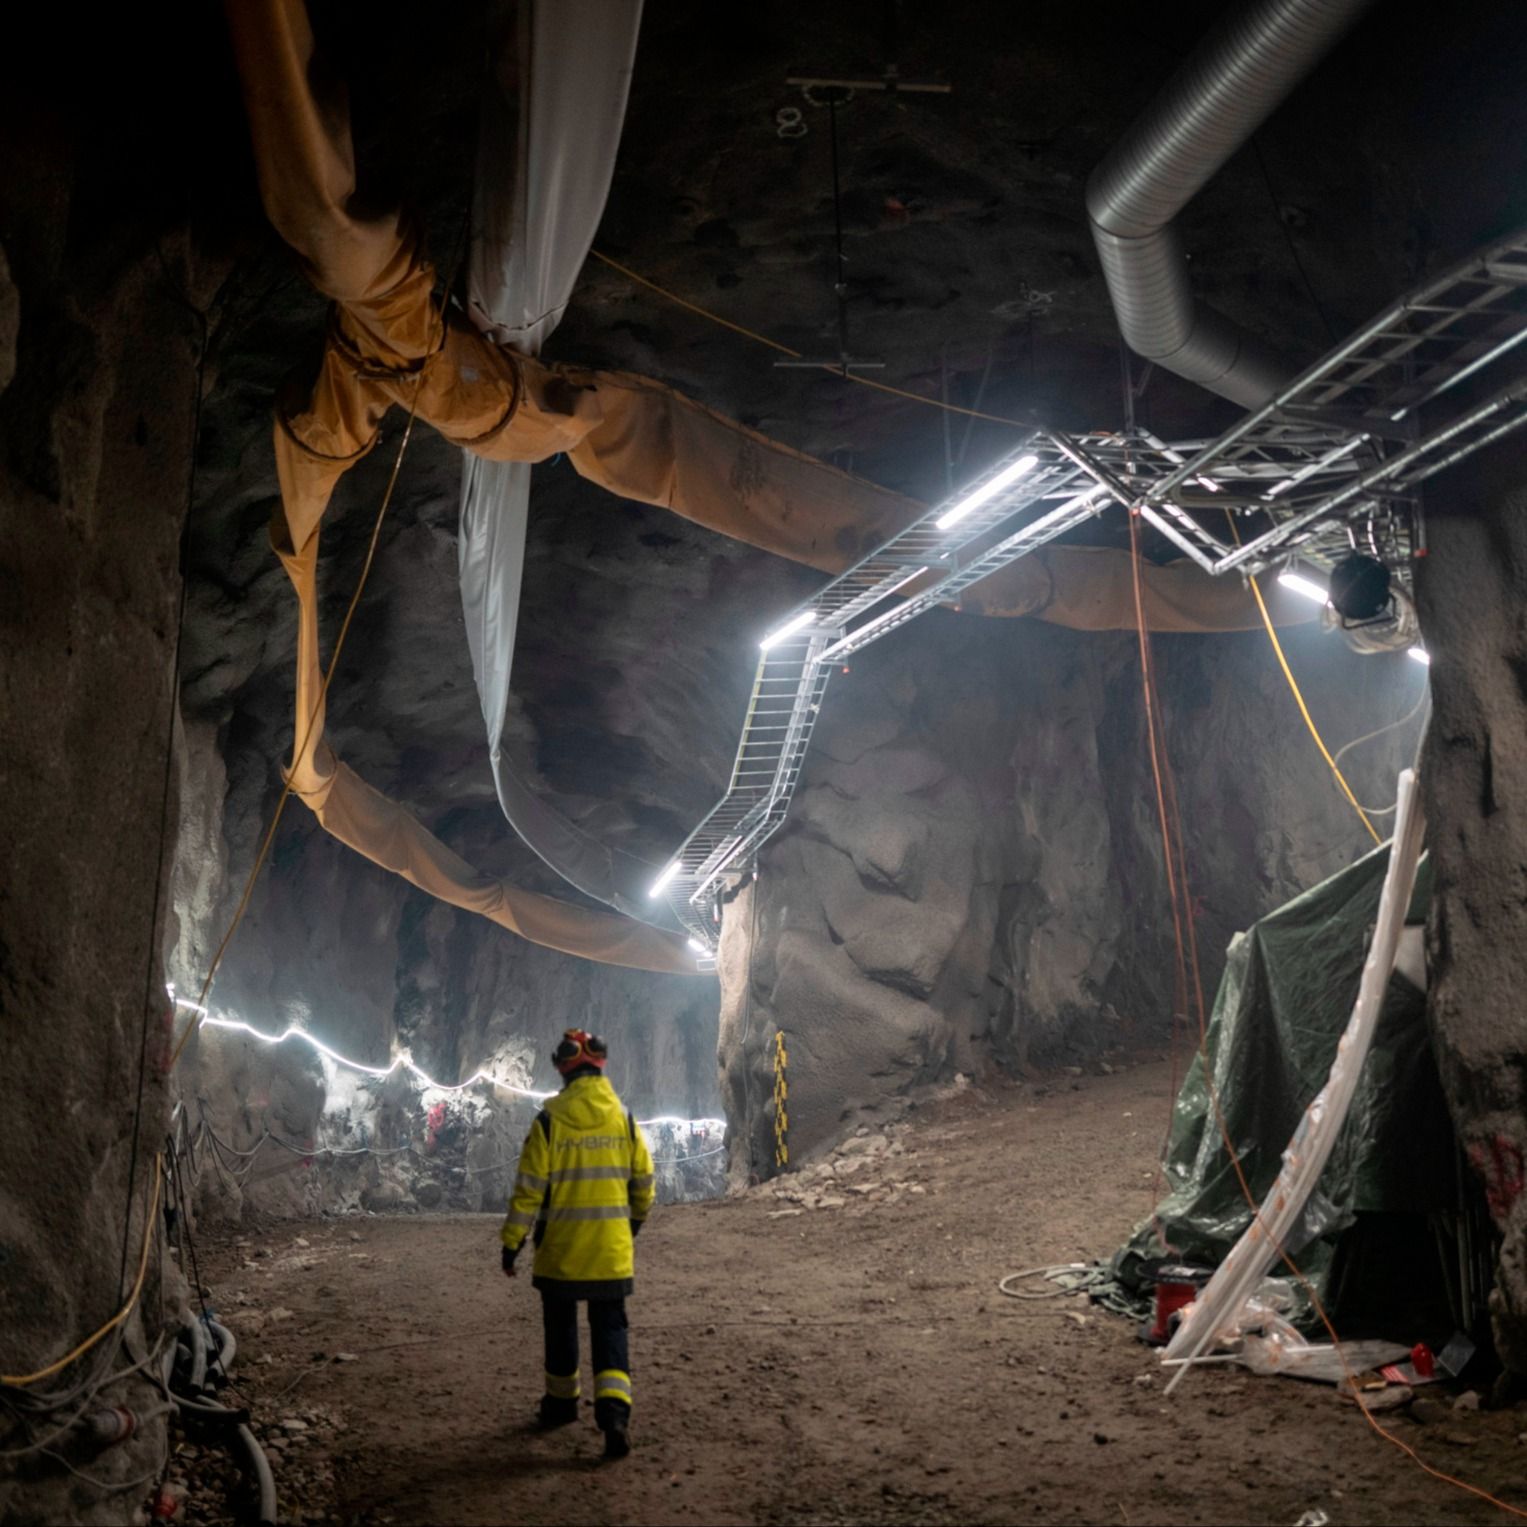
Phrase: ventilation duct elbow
pixel 1224 92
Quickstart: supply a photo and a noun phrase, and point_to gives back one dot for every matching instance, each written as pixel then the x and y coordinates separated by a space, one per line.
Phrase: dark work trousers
pixel 609 1337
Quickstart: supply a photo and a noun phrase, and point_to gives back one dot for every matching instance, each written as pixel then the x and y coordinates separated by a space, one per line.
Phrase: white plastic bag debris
pixel 1283 1351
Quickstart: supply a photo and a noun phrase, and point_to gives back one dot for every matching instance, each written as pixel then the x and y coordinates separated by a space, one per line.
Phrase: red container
pixel 1177 1285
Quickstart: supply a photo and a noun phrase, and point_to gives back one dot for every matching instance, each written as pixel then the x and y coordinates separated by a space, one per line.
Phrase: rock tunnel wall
pixel 1474 780
pixel 339 948
pixel 99 374
pixel 972 873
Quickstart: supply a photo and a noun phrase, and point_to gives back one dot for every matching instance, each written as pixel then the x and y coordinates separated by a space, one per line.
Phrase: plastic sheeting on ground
pixel 390 343
pixel 1282 1007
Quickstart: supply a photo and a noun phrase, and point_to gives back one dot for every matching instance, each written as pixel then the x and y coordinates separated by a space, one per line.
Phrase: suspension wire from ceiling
pixel 970 422
pixel 1292 243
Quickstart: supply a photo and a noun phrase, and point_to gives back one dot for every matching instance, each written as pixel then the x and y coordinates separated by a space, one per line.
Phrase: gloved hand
pixel 507 1258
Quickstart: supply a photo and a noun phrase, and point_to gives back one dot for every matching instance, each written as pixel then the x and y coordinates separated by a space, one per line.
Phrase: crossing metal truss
pixel 1338 457
pixel 928 563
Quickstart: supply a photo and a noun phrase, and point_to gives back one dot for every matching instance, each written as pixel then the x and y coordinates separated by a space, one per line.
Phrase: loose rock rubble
pixel 206 1475
pixel 873 1168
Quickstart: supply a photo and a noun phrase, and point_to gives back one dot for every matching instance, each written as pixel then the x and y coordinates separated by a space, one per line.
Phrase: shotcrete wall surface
pixel 1474 779
pixel 972 871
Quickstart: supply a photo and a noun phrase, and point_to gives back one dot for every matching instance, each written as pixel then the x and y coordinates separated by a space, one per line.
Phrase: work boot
pixel 555 1412
pixel 616 1443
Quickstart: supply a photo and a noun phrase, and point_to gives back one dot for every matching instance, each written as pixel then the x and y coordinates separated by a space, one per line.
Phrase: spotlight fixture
pixel 790 627
pixel 987 491
pixel 697 946
pixel 1419 655
pixel 1360 588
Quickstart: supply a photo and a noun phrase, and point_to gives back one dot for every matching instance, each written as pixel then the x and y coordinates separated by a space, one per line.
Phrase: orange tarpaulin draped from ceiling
pixel 389 342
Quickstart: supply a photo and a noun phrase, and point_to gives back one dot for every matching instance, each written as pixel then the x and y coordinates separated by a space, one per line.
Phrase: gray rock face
pixel 92 484
pixel 1474 776
pixel 973 869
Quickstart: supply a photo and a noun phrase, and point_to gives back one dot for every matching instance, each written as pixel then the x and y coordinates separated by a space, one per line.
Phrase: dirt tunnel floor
pixel 849 1364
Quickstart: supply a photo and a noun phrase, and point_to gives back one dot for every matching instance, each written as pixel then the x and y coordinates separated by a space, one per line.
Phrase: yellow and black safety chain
pixel 781 1102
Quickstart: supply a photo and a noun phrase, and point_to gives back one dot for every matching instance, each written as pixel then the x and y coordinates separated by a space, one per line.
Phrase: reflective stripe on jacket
pixel 585 1176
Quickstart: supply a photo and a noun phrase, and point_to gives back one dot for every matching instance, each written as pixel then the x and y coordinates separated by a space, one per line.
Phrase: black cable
pixel 1293 247
pixel 184 1223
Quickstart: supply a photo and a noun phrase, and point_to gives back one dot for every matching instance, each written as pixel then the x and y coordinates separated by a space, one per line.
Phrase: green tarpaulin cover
pixel 1288 990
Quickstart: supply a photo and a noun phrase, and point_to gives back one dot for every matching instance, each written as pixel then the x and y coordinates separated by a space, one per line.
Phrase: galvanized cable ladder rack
pixel 1346 442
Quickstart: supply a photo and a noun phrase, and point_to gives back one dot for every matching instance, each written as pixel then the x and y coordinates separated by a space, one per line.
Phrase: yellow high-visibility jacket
pixel 585 1185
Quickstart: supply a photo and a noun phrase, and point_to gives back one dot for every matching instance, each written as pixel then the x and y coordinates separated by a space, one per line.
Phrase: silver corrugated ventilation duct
pixel 1232 83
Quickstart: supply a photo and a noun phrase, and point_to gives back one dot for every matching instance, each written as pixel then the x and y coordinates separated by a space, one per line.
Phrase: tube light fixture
pixel 902 582
pixel 987 491
pixel 790 627
pixel 663 879
pixel 1306 586
pixel 697 946
pixel 1419 655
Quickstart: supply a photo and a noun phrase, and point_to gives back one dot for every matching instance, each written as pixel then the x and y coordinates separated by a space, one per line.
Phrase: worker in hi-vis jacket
pixel 585 1186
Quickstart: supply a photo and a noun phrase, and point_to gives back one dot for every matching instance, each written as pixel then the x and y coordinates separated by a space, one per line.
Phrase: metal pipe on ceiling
pixel 1234 80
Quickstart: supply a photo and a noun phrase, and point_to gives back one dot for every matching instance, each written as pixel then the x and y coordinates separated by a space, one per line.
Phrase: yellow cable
pixel 1293 684
pixel 1309 721
pixel 20 1380
pixel 774 344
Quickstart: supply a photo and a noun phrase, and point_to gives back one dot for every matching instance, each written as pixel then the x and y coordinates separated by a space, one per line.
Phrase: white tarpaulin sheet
pixel 551 125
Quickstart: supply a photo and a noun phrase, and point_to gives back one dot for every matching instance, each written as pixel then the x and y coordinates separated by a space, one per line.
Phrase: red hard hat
pixel 579 1048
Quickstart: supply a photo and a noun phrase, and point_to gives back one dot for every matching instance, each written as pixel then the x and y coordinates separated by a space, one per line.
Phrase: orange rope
pixel 1166 802
pixel 774 344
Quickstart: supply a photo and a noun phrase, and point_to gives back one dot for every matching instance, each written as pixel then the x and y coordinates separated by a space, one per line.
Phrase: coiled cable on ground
pixel 1079 1276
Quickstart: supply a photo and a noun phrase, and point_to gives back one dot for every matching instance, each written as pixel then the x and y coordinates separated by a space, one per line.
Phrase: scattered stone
pixel 785 1213
pixel 346 1357
pixel 428 1193
pixel 300 1241
pixel 829 1201
pixel 1468 1400
pixel 1390 1398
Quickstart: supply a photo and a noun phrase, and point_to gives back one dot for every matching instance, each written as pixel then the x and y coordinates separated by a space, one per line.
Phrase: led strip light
pixel 401 1063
